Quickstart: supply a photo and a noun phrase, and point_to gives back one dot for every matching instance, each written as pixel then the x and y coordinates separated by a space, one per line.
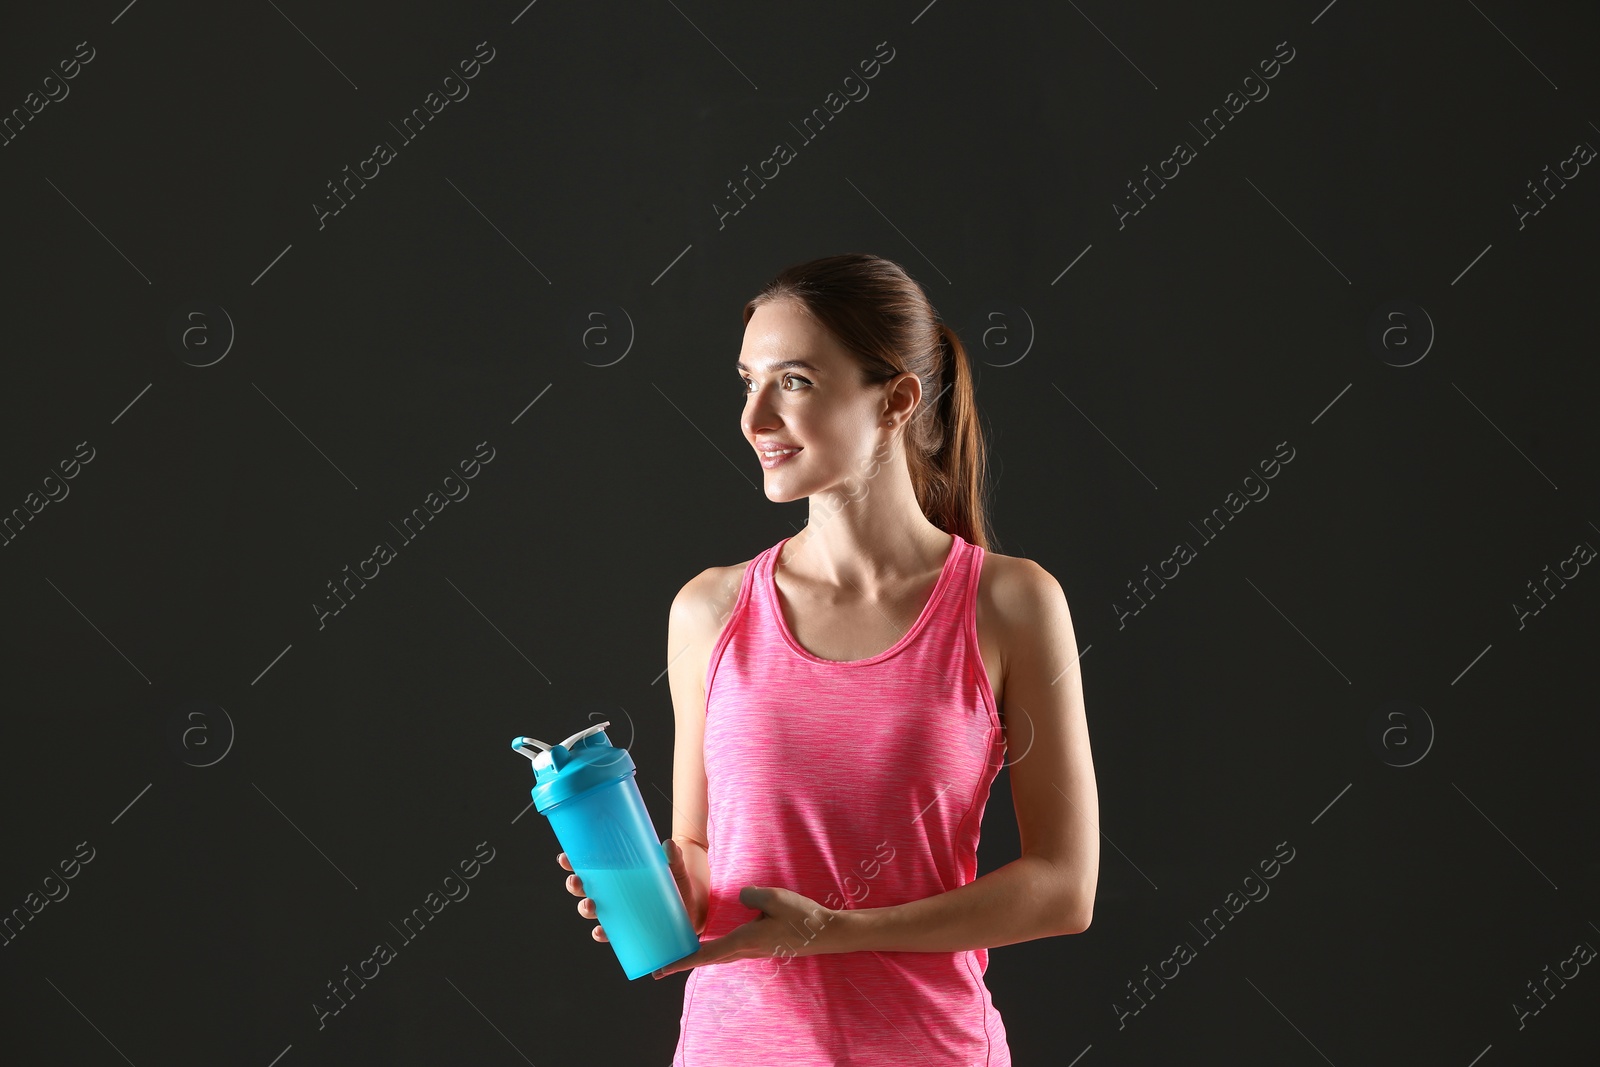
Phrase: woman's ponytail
pixel 951 487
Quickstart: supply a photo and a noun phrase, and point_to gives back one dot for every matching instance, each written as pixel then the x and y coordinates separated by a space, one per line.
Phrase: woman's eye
pixel 744 387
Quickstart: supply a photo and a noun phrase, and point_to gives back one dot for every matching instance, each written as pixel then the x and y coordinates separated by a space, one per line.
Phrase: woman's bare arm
pixel 694 623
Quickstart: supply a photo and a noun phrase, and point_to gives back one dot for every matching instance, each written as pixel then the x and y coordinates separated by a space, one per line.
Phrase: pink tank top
pixel 859 784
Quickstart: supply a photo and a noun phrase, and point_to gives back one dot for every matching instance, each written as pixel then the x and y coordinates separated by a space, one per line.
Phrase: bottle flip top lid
pixel 573 767
pixel 541 759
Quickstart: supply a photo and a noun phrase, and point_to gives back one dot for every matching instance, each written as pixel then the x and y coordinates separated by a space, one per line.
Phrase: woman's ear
pixel 904 394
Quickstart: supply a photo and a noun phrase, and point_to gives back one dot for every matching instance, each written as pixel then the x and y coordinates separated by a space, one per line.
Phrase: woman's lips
pixel 777 457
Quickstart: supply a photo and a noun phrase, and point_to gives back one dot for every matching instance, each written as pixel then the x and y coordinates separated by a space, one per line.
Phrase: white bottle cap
pixel 521 743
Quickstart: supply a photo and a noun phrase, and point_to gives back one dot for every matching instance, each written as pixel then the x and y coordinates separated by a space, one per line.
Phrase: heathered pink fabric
pixel 859 784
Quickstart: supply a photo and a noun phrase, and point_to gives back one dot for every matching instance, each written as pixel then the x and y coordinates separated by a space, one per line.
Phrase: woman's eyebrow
pixel 782 365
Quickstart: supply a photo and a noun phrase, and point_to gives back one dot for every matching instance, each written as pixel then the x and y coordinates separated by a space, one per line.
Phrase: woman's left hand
pixel 789 925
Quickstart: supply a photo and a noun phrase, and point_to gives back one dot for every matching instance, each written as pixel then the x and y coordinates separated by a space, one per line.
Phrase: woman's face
pixel 821 407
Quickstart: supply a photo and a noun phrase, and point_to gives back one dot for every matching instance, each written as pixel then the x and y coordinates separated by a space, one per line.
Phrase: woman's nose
pixel 759 415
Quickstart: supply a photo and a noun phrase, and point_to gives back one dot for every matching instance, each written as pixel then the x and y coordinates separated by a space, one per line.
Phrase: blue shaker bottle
pixel 586 788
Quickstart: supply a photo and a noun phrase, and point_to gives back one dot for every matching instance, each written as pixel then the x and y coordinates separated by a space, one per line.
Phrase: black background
pixel 1124 398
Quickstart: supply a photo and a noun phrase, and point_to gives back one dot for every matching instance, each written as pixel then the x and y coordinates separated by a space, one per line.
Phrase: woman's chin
pixel 782 491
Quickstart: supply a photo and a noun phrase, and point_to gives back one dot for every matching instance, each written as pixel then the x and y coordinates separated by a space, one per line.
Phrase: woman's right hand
pixel 585 905
pixel 680 874
pixel 676 863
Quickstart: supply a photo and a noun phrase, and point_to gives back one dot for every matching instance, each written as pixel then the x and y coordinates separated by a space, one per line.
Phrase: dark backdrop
pixel 1372 268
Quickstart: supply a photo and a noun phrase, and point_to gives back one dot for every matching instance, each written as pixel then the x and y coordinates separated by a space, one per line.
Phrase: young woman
pixel 844 700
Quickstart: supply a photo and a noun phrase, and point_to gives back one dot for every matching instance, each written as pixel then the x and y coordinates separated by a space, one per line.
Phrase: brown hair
pixel 884 319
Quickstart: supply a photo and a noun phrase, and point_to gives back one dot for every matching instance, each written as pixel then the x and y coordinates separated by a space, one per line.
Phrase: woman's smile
pixel 769 460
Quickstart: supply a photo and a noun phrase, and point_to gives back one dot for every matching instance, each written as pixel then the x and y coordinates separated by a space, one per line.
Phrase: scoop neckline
pixel 916 627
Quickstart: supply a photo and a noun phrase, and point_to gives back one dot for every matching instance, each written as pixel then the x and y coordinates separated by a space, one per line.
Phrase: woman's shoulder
pixel 707 599
pixel 1016 591
pixel 1015 570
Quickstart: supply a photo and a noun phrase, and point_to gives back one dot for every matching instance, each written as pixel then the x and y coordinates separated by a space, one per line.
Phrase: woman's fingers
pixel 586 906
pixel 574 883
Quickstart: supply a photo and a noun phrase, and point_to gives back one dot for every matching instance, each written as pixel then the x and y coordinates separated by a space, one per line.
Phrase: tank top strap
pixel 943 642
pixel 972 567
pixel 762 585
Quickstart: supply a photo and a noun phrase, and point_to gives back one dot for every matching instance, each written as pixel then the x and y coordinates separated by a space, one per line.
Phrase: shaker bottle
pixel 586 788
